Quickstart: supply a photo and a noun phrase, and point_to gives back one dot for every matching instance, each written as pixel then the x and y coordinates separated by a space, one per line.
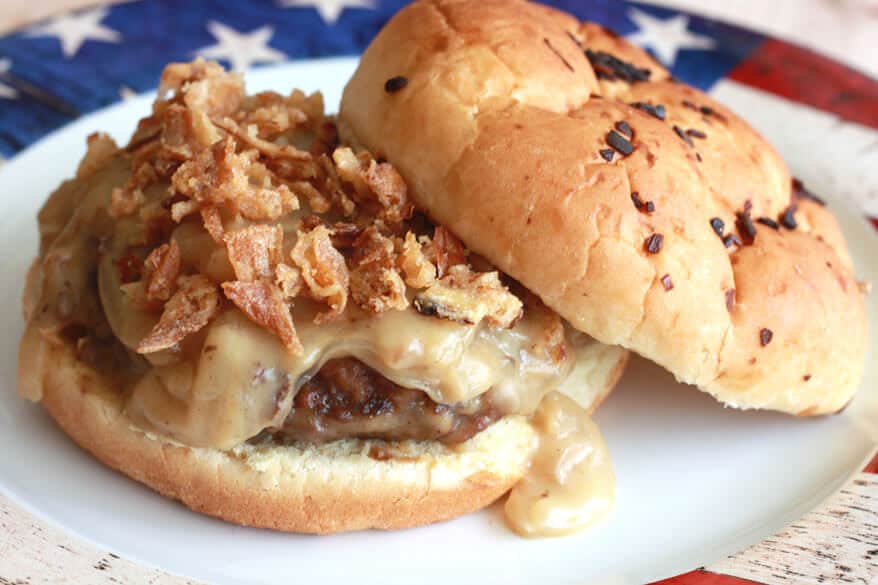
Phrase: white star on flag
pixel 241 50
pixel 666 37
pixel 74 29
pixel 329 10
pixel 6 91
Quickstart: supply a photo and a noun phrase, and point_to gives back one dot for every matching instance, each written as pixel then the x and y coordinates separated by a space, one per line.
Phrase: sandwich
pixel 396 316
pixel 249 317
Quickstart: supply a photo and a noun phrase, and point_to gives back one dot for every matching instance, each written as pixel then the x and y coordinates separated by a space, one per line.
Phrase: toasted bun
pixel 499 131
pixel 332 488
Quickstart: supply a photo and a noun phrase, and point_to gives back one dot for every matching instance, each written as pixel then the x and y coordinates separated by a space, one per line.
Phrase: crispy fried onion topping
pixel 323 270
pixel 186 131
pixel 418 270
pixel 468 297
pixel 201 105
pixel 220 176
pixel 203 85
pixel 272 114
pixel 190 96
pixel 213 223
pixel 377 186
pixel 125 201
pixel 447 250
pixel 160 271
pixel 255 251
pixel 242 165
pixel 389 190
pixel 289 280
pixel 249 135
pixel 264 303
pixel 331 190
pixel 195 303
pixel 376 284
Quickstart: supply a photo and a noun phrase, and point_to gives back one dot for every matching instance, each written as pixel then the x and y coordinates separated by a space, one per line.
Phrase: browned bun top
pixel 691 247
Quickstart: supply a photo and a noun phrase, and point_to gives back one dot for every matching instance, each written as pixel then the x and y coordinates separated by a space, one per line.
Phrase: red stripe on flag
pixel 803 76
pixel 872 467
pixel 702 577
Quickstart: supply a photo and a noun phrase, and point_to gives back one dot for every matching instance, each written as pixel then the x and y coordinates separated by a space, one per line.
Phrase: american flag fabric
pixel 76 63
pixel 57 70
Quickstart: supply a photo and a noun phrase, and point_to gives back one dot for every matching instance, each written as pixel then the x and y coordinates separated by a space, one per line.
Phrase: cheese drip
pixel 570 484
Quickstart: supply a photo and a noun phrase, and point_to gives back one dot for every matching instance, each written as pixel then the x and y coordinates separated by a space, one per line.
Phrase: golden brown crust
pixel 509 149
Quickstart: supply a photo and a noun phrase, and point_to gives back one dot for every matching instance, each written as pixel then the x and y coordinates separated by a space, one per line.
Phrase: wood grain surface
pixel 837 543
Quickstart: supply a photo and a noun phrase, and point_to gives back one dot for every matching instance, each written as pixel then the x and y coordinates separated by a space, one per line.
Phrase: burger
pixel 396 316
pixel 251 318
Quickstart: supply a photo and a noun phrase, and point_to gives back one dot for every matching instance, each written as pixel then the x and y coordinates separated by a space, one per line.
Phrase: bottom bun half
pixel 341 486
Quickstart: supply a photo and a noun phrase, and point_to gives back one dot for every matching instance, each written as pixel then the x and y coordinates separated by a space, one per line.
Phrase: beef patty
pixel 348 399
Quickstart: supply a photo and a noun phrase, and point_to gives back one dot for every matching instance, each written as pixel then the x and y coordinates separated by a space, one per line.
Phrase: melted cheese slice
pixel 242 380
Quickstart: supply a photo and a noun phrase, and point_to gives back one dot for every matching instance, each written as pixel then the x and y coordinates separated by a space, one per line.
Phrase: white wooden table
pixel 837 543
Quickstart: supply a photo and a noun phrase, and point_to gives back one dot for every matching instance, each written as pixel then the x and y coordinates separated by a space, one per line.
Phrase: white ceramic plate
pixel 695 481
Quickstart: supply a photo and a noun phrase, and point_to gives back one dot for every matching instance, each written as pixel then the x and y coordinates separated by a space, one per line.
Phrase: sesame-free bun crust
pixel 498 132
pixel 332 488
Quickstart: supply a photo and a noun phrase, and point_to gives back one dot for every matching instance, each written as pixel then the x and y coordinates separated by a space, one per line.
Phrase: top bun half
pixel 695 249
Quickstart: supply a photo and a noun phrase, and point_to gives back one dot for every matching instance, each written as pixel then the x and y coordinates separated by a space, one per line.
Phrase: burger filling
pixel 244 276
pixel 347 398
pixel 240 276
